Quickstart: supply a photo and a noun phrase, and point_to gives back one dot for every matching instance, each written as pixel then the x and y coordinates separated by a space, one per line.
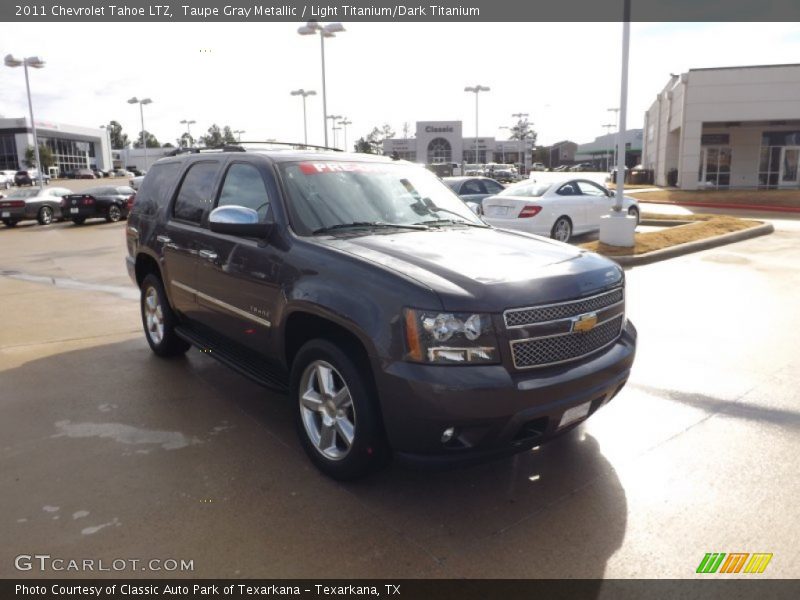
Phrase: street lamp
pixel 333 119
pixel 344 123
pixel 335 129
pixel 305 94
pixel 609 127
pixel 616 125
pixel 504 146
pixel 329 30
pixel 189 129
pixel 141 103
pixel 36 63
pixel 521 116
pixel 476 90
pixel 239 133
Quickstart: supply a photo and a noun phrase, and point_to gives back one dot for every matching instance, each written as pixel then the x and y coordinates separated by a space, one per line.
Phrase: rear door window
pixel 196 192
pixel 156 189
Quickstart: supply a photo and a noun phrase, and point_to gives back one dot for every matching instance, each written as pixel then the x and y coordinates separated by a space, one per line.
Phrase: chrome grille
pixel 540 352
pixel 520 317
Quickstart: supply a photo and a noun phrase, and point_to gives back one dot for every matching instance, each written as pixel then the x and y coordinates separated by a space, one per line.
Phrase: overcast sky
pixel 240 74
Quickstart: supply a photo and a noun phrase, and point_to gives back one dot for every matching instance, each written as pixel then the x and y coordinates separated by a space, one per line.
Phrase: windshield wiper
pixel 355 224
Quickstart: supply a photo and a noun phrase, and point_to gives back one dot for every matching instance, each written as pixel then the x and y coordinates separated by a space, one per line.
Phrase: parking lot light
pixel 344 123
pixel 329 30
pixel 520 116
pixel 188 124
pixel 239 133
pixel 333 119
pixel 477 89
pixel 141 103
pixel 35 62
pixel 305 94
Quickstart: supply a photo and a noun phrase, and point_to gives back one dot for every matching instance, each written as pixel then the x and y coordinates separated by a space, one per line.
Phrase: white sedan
pixel 556 209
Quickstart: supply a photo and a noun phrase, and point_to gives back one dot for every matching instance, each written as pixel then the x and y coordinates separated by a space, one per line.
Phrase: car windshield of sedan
pixel 338 194
pixel 22 194
pixel 526 189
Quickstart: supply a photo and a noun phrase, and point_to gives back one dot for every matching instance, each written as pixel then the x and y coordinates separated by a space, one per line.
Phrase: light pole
pixel 333 119
pixel 504 146
pixel 476 89
pixel 189 129
pixel 329 30
pixel 344 123
pixel 239 133
pixel 521 116
pixel 141 103
pixel 305 94
pixel 36 63
pixel 609 127
pixel 616 126
pixel 108 138
pixel 335 129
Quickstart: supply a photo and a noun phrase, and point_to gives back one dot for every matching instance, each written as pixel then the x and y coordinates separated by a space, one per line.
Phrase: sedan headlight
pixel 450 338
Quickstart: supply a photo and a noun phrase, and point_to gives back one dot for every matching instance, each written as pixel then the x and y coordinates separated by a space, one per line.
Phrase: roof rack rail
pixel 239 147
pixel 298 145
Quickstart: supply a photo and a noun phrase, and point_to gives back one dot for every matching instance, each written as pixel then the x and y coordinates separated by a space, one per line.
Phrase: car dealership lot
pixel 108 452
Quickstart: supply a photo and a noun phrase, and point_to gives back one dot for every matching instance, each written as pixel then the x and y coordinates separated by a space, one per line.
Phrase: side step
pixel 239 359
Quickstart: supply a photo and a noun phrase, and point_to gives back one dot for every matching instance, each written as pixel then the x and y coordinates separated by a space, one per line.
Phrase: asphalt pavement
pixel 107 452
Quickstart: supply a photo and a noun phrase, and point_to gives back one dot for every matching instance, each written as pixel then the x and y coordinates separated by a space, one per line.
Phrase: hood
pixel 489 270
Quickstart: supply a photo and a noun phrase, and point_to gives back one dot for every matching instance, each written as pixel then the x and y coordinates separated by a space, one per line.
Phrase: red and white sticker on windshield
pixel 319 168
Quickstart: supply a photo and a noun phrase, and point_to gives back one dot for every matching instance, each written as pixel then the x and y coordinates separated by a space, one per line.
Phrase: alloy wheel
pixel 327 410
pixel 562 230
pixel 154 316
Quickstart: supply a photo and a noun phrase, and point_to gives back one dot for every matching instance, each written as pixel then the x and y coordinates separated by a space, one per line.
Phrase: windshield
pixel 526 189
pixel 326 194
pixel 22 194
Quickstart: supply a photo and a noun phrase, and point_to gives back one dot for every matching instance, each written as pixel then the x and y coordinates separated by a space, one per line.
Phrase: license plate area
pixel 497 211
pixel 74 211
pixel 5 214
pixel 575 414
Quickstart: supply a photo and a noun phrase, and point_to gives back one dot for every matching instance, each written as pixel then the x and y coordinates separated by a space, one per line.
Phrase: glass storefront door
pixel 790 157
pixel 715 167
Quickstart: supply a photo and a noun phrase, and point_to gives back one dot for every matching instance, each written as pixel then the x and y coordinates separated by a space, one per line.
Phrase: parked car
pixel 135 182
pixel 122 173
pixel 582 167
pixel 396 319
pixel 84 174
pixel 503 173
pixel 537 166
pixel 560 168
pixel 557 209
pixel 109 202
pixel 29 177
pixel 6 181
pixel 42 204
pixel 473 190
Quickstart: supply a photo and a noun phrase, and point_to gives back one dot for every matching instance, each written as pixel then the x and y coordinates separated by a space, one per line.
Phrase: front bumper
pixel 494 411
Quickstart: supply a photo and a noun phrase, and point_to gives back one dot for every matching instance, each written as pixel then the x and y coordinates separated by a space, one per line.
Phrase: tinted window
pixel 196 190
pixel 526 189
pixel 568 189
pixel 590 189
pixel 156 187
pixel 244 186
pixel 473 186
pixel 492 187
pixel 124 190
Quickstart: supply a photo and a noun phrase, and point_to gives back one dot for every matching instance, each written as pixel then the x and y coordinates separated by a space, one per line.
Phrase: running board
pixel 240 360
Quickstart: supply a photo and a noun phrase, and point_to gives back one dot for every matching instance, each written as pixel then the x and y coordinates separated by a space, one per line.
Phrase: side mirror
pixel 237 220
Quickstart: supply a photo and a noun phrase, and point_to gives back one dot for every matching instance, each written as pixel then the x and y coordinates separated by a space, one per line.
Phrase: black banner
pixel 392 10
pixel 568 589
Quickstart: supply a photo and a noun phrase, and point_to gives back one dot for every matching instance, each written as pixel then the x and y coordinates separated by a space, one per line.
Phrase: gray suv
pixel 398 322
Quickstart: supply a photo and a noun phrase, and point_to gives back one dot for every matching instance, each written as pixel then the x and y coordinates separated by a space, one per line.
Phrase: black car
pixel 30 177
pixel 396 320
pixel 109 202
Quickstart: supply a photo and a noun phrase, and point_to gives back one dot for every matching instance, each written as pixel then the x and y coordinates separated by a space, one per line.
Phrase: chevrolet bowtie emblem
pixel 585 322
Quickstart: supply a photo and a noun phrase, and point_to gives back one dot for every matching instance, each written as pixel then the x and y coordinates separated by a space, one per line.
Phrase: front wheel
pixel 562 229
pixel 158 319
pixel 114 214
pixel 45 216
pixel 335 412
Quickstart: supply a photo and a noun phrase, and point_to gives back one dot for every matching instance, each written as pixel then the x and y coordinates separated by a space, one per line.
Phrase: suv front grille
pixel 520 317
pixel 551 350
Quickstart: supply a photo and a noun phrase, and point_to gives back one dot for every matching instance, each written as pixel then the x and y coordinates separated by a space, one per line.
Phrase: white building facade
pixel 726 128
pixel 438 142
pixel 73 147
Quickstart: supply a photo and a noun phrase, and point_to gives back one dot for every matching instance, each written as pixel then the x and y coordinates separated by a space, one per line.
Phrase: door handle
pixel 208 254
pixel 163 239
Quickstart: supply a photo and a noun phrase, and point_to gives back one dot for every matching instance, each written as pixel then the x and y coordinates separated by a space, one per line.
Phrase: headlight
pixel 449 338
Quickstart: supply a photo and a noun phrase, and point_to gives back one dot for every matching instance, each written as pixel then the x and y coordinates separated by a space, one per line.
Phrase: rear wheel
pixel 114 214
pixel 562 229
pixel 336 415
pixel 45 215
pixel 158 319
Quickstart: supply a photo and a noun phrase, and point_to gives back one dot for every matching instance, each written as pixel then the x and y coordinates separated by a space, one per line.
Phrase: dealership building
pixel 443 142
pixel 73 147
pixel 730 127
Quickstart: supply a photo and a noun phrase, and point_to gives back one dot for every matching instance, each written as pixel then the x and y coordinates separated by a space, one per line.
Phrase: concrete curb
pixel 696 246
pixel 665 222
pixel 750 207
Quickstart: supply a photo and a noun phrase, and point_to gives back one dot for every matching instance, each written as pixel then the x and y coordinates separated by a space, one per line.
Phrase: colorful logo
pixel 735 562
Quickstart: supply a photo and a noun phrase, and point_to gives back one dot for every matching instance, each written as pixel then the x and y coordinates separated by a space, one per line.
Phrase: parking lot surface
pixel 109 452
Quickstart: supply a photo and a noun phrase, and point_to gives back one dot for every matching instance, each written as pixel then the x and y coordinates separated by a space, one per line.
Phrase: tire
pixel 9 223
pixel 343 438
pixel 45 215
pixel 114 214
pixel 562 229
pixel 79 221
pixel 158 320
pixel 634 212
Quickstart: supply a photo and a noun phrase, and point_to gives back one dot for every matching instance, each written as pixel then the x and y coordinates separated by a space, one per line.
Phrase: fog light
pixel 448 434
